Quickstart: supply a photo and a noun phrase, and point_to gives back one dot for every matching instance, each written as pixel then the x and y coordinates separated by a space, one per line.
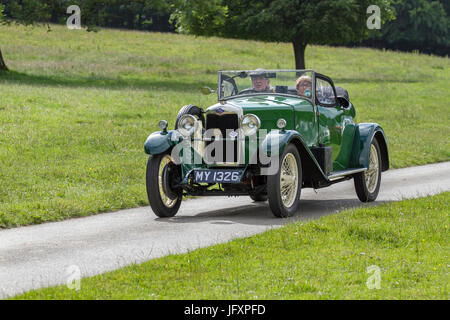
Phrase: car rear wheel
pixel 164 199
pixel 367 183
pixel 284 187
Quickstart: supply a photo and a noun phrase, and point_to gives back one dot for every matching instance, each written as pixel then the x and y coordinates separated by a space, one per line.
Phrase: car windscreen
pixel 235 83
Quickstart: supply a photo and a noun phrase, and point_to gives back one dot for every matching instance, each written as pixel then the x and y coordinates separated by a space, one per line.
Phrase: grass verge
pixel 78 107
pixel 324 259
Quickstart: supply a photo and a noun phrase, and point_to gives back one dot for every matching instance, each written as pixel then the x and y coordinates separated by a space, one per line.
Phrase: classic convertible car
pixel 272 133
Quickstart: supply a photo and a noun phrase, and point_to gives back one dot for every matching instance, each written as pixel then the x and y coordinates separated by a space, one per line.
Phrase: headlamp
pixel 250 124
pixel 187 125
pixel 281 123
pixel 162 125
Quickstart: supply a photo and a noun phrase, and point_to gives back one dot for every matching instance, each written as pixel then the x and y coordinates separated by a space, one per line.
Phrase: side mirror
pixel 207 90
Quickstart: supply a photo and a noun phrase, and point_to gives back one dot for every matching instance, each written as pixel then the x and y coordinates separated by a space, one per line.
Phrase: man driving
pixel 260 81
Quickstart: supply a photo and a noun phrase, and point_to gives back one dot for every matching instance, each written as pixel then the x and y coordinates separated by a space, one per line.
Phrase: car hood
pixel 268 108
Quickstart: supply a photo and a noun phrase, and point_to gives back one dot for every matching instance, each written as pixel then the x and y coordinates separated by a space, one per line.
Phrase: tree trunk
pixel 3 66
pixel 299 53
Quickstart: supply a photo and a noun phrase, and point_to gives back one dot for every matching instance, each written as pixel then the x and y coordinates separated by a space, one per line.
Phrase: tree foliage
pixel 422 25
pixel 301 22
pixel 26 12
pixel 318 21
pixel 419 24
pixel 135 14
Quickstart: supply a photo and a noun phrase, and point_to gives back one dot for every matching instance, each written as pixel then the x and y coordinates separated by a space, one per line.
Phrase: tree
pixel 419 24
pixel 300 22
pixel 3 66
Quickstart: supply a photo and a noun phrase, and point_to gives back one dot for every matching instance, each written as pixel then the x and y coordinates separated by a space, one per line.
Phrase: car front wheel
pixel 284 187
pixel 367 183
pixel 259 197
pixel 164 199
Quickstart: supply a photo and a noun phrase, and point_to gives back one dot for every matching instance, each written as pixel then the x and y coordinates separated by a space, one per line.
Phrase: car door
pixel 330 116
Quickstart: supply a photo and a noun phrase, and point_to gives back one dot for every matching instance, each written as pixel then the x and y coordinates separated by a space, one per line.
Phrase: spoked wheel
pixel 284 187
pixel 367 184
pixel 161 173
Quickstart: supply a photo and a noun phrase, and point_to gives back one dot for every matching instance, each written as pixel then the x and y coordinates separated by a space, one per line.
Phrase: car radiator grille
pixel 224 122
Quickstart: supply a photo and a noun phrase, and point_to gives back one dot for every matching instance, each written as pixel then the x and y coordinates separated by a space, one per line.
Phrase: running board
pixel 343 173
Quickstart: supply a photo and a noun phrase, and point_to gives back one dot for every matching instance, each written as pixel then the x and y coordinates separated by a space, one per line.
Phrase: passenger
pixel 304 86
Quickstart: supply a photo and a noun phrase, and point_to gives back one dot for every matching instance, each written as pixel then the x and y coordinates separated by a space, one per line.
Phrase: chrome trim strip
pixel 340 174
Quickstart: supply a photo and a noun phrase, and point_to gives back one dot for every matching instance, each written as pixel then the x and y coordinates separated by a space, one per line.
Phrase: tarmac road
pixel 39 256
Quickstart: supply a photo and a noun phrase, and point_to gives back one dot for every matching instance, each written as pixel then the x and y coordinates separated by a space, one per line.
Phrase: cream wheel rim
pixel 288 180
pixel 371 174
pixel 166 200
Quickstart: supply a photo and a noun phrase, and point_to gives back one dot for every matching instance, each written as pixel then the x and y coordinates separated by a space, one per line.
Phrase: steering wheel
pixel 232 82
pixel 249 90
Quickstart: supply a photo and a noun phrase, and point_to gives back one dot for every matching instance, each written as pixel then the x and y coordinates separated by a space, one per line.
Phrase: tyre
pixel 164 199
pixel 367 184
pixel 192 110
pixel 259 197
pixel 284 187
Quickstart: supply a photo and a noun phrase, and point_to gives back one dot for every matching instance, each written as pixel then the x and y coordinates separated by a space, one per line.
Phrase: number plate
pixel 218 176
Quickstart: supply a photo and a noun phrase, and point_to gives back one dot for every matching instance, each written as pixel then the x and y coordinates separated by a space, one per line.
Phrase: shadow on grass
pixel 102 82
pixel 109 83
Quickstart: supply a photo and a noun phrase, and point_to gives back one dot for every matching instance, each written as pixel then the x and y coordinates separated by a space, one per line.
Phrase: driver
pixel 260 81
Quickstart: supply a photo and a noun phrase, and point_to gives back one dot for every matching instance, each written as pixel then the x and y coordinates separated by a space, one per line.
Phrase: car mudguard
pixel 311 169
pixel 159 142
pixel 364 134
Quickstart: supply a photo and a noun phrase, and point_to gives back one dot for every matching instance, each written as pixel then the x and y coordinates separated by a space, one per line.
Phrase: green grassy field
pixel 324 259
pixel 77 108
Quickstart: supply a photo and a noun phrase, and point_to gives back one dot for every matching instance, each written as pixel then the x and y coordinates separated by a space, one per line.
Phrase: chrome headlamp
pixel 250 124
pixel 281 123
pixel 187 125
pixel 162 125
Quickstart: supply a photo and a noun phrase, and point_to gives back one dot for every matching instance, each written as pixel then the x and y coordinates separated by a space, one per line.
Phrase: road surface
pixel 42 255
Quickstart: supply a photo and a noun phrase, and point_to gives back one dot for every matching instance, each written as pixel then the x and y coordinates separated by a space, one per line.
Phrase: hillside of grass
pixel 78 106
pixel 334 257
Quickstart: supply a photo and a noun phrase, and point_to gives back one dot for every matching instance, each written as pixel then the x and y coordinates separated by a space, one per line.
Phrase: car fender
pixel 364 134
pixel 311 168
pixel 159 142
pixel 276 140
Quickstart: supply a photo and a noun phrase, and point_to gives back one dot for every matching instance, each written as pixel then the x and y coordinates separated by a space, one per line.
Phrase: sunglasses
pixel 304 84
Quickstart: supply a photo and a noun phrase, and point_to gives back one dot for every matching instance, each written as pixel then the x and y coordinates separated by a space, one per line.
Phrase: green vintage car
pixel 272 133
